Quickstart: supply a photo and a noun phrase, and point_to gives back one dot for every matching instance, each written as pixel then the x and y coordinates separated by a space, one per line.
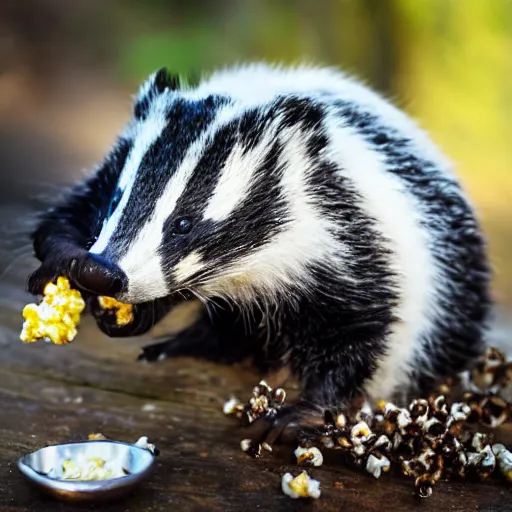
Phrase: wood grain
pixel 55 394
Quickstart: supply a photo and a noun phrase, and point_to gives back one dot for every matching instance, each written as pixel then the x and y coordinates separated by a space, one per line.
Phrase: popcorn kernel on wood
pixel 56 318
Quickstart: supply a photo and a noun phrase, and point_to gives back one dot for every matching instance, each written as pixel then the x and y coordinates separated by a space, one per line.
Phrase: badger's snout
pixel 98 275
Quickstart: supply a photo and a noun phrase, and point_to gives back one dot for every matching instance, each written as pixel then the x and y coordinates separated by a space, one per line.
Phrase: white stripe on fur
pixel 142 259
pixel 398 218
pixel 307 237
pixel 144 134
pixel 236 177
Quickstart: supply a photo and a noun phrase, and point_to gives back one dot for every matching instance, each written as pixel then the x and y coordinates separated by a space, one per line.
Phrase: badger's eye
pixel 116 199
pixel 182 225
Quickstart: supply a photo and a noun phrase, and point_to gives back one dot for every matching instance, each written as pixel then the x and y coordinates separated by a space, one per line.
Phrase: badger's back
pixel 404 228
pixel 310 192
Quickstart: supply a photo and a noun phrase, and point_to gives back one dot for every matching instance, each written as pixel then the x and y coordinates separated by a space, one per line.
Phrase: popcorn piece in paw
pixel 124 312
pixel 56 318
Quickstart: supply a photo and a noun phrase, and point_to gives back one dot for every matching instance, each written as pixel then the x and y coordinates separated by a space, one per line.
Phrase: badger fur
pixel 322 229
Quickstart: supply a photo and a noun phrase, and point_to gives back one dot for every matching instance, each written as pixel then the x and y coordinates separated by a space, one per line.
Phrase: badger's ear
pixel 155 85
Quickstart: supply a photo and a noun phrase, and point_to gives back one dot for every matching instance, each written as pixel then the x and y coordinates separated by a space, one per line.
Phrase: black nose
pixel 98 275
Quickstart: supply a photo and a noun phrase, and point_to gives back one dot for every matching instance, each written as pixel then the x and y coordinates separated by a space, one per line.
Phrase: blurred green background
pixel 68 70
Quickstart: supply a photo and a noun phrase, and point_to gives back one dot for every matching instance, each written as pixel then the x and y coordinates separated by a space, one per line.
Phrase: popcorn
pixel 124 312
pixel 430 440
pixel 300 487
pixel 312 456
pixel 504 460
pixel 90 469
pixel 56 318
pixel 233 406
pixel 376 464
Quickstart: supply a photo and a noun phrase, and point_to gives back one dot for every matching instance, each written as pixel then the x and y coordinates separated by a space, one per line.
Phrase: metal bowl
pixel 44 467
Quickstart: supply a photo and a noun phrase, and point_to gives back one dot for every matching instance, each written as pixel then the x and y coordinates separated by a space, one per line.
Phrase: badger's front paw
pixel 285 424
pixel 45 274
pixel 143 318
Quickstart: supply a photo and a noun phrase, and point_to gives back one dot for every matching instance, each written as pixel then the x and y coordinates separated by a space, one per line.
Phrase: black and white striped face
pixel 209 197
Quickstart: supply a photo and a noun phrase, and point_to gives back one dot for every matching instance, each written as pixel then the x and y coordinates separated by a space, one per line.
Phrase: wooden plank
pixel 51 394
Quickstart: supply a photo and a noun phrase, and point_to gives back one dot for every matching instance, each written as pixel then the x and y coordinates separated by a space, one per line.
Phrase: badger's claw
pixel 45 274
pixel 155 352
pixel 143 319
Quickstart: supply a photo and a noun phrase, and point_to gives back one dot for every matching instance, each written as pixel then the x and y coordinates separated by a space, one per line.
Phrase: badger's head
pixel 214 194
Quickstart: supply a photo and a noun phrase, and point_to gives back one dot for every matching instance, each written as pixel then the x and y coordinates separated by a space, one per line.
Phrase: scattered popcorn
pixel 124 312
pixel 430 440
pixel 300 487
pixel 56 318
pixel 312 456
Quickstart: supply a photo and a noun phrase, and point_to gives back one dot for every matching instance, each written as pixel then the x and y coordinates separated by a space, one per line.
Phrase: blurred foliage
pixel 446 62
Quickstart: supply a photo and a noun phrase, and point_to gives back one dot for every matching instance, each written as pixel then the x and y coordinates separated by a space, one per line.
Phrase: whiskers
pixel 257 308
pixel 15 261
pixel 16 249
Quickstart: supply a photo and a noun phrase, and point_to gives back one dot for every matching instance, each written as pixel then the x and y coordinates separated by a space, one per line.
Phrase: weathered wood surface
pixel 51 394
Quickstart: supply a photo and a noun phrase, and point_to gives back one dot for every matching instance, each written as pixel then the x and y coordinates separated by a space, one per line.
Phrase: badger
pixel 320 226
